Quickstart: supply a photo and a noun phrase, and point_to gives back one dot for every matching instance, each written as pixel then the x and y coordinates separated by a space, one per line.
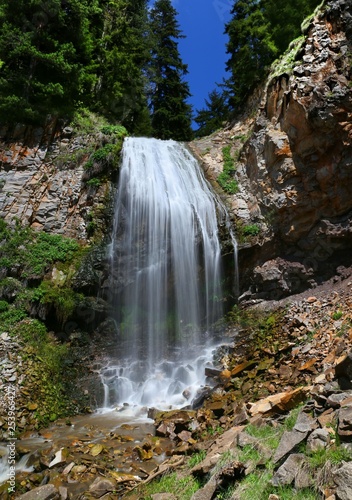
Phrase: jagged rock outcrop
pixel 43 180
pixel 294 169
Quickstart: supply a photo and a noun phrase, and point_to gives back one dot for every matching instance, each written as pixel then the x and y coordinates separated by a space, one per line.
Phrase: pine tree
pixel 213 116
pixel 171 115
pixel 259 31
pixel 286 18
pixel 45 49
pixel 120 92
pixel 250 47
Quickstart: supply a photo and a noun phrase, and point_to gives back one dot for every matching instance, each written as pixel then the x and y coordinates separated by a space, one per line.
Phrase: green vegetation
pixel 182 487
pixel 86 122
pixel 213 116
pixel 94 182
pixel 171 115
pixel 337 315
pixel 334 455
pixel 225 179
pixel 251 230
pixel 4 305
pixel 117 59
pixel 245 232
pixel 46 264
pixel 47 358
pixel 288 61
pixel 259 32
pixel 31 253
pixel 196 458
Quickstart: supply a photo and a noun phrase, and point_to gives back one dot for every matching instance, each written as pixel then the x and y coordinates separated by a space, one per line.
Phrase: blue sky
pixel 204 48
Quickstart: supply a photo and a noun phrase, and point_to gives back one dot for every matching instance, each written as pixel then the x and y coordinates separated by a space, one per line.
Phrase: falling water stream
pixel 166 275
pixel 165 293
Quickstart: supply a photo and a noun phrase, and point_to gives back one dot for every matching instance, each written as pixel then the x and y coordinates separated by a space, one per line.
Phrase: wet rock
pixel 60 458
pixel 63 493
pixel 217 407
pixel 169 424
pixel 241 416
pixel 243 366
pixel 101 486
pixel 343 479
pixel 46 492
pixel 212 372
pixel 278 403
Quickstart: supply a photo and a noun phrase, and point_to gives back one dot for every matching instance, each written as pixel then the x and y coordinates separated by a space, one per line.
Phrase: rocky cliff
pixel 46 176
pixel 293 151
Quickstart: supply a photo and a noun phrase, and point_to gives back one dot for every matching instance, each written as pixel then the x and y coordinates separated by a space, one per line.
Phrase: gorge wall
pixel 294 162
pixel 293 151
pixel 45 174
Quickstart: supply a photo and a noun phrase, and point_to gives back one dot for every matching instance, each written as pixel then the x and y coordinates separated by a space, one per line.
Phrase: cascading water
pixel 166 270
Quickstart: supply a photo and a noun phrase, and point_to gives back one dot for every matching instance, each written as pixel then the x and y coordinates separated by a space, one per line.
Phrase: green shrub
pixel 11 317
pixel 118 130
pixel 85 122
pixel 94 182
pixel 33 252
pixel 103 153
pixel 4 305
pixel 225 179
pixel 62 298
pixel 251 230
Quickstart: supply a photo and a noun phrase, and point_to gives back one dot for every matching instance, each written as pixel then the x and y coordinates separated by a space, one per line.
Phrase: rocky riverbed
pixel 289 358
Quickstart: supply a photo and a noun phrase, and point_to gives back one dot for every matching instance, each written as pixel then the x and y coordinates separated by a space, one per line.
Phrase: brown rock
pixel 47 492
pixel 243 366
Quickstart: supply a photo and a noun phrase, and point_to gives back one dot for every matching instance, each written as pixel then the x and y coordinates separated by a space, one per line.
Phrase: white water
pixel 166 270
pixel 21 465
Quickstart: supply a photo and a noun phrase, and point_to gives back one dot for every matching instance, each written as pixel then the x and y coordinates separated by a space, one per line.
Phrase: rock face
pixel 42 180
pixel 304 137
pixel 294 168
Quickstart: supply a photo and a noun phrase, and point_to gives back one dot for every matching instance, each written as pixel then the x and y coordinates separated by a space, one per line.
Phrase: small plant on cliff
pixel 4 305
pixel 31 253
pixel 94 182
pixel 225 179
pixel 251 230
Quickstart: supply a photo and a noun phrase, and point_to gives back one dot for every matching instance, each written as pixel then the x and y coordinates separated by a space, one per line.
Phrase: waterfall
pixel 166 274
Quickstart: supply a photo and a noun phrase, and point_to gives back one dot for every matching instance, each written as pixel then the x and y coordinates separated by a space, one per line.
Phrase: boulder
pixel 318 439
pixel 288 470
pixel 343 371
pixel 100 487
pixel 289 441
pixel 345 422
pixel 224 443
pixel 343 479
pixel 207 492
pixel 46 492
